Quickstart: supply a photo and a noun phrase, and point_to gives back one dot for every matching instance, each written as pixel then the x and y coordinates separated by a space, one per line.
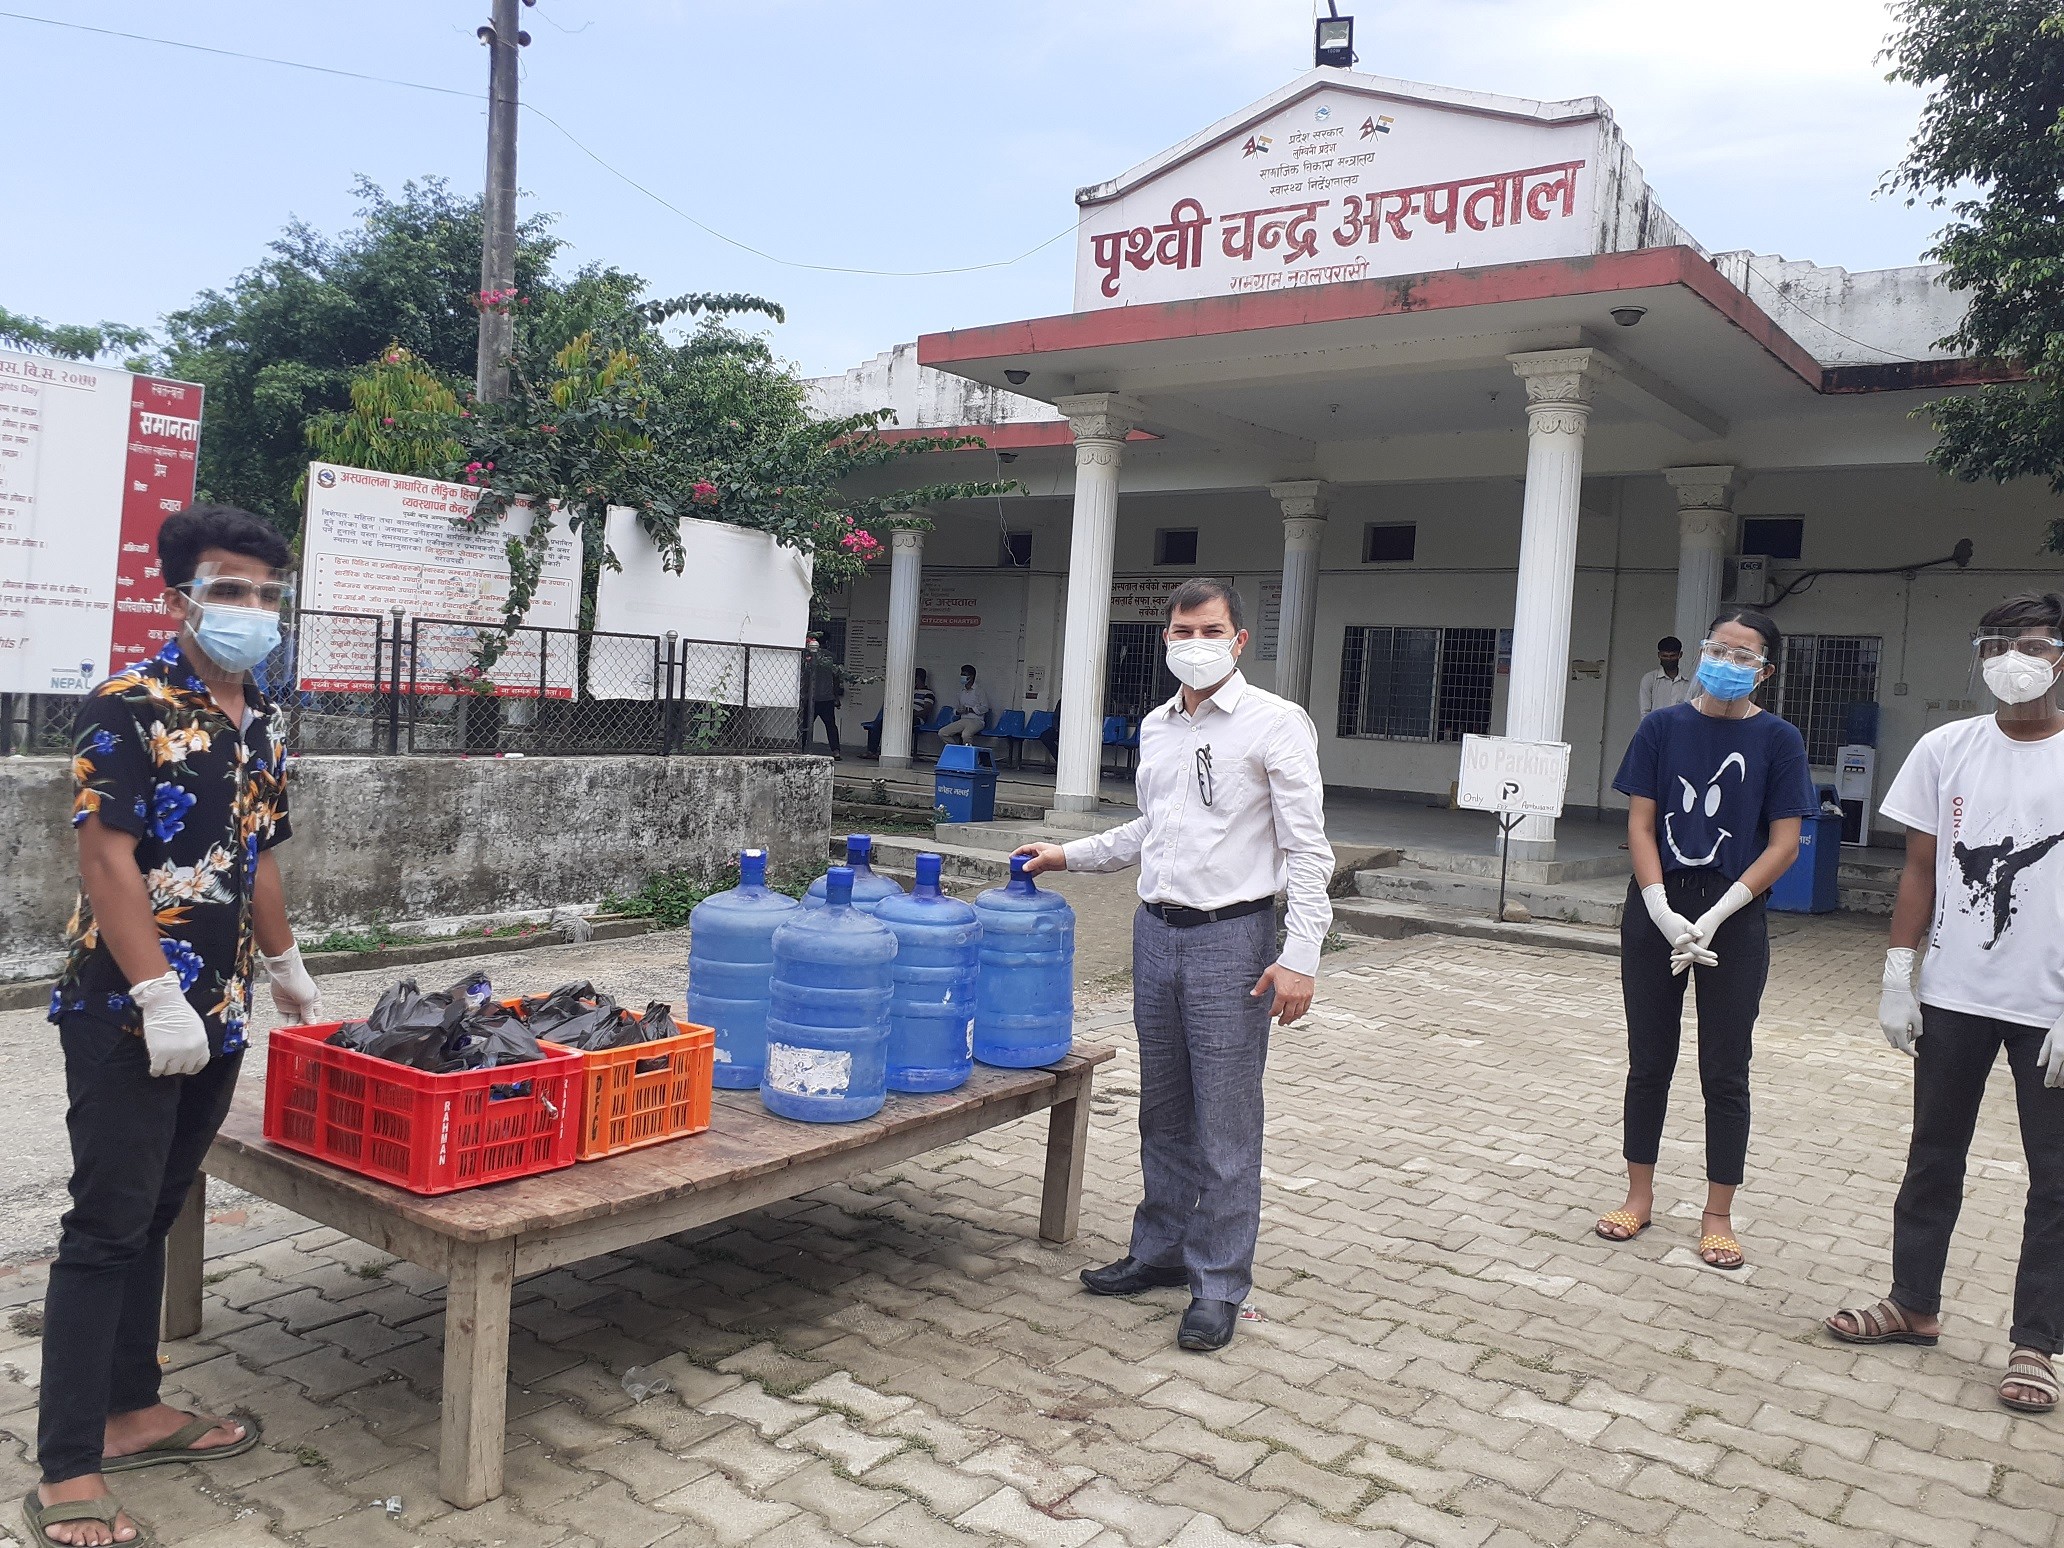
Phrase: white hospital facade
pixel 1469 421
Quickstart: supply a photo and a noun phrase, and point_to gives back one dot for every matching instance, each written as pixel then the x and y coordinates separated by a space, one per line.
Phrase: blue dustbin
pixel 1812 884
pixel 964 784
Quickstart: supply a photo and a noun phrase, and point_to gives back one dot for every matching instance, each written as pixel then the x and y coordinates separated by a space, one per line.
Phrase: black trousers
pixel 1728 998
pixel 1951 1063
pixel 826 711
pixel 137 1143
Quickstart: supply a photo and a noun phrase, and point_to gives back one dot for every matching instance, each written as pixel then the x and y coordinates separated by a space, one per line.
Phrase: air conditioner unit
pixel 1747 580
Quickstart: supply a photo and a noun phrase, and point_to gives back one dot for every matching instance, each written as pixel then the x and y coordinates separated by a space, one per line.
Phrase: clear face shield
pixel 2018 667
pixel 241 616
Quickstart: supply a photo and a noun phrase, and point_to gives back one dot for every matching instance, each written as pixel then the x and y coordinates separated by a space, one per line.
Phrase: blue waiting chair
pixel 1116 735
pixel 1041 722
pixel 1010 727
pixel 939 722
pixel 873 730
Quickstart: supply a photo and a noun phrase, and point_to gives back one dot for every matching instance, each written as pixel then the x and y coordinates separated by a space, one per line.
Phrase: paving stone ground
pixel 1444 1354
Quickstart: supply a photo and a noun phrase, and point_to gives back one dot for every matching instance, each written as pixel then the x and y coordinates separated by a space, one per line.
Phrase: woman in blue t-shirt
pixel 1715 790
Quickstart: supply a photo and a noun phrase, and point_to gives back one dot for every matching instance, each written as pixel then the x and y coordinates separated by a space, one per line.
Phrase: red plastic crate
pixel 426 1133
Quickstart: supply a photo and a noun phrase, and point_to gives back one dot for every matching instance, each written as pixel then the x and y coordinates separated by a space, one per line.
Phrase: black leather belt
pixel 1184 918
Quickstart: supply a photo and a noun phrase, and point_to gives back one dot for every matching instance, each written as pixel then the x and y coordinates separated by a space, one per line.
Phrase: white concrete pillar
pixel 1558 388
pixel 1101 421
pixel 1705 537
pixel 1304 530
pixel 906 561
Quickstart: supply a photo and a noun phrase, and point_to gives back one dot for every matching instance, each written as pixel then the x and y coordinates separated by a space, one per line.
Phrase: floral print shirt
pixel 153 756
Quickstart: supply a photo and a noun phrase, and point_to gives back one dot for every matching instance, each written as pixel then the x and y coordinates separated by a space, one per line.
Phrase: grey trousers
pixel 1203 1043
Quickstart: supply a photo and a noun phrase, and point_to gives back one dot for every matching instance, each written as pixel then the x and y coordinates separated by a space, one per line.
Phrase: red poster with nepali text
pixel 163 450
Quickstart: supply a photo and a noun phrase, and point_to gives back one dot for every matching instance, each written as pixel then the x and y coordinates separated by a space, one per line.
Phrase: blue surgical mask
pixel 1726 680
pixel 237 638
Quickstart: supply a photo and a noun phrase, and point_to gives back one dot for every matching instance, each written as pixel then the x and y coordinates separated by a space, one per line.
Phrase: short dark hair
pixel 1749 618
pixel 187 534
pixel 967 669
pixel 1669 643
pixel 2026 610
pixel 922 675
pixel 1202 592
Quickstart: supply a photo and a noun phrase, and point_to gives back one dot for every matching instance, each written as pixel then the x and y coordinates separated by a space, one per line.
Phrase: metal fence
pixel 392 684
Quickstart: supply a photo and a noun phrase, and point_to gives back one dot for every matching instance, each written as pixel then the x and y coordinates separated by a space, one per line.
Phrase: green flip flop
pixel 107 1510
pixel 179 1446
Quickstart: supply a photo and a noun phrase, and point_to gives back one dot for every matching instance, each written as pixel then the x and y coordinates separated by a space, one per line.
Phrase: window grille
pixel 1417 685
pixel 1822 676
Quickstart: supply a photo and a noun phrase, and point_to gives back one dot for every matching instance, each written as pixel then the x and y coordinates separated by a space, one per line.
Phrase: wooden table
pixel 483 1239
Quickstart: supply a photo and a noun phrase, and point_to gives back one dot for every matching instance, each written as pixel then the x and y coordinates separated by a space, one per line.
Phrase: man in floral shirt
pixel 180 779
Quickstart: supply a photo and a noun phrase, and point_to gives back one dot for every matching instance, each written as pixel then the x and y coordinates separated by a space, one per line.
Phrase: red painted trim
pixel 1547 279
pixel 1915 375
pixel 1010 437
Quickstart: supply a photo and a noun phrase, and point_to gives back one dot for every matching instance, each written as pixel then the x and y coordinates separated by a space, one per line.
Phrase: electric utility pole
pixel 498 238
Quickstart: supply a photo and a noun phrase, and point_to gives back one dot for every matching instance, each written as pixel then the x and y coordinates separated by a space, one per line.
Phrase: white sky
pixel 902 134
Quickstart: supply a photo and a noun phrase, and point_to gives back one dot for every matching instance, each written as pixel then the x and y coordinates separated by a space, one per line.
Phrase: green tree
pixel 400 420
pixel 75 341
pixel 1990 148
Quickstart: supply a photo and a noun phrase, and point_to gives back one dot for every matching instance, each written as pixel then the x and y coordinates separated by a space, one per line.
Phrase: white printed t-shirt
pixel 1996 809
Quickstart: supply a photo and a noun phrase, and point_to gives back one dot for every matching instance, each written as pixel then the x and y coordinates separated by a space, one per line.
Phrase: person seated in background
pixel 1050 738
pixel 924 704
pixel 973 704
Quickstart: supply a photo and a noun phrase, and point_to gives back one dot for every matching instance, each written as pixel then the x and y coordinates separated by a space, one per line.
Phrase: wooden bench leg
pixel 1067 1142
pixel 184 1244
pixel 476 1372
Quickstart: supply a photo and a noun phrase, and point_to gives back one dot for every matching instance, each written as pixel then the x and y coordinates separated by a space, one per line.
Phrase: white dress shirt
pixel 1659 690
pixel 974 701
pixel 1264 830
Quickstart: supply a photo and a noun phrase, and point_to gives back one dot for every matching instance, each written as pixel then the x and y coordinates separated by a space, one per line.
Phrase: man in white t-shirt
pixel 1983 804
pixel 1667 684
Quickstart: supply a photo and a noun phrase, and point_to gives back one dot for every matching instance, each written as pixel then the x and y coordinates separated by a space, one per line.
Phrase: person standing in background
pixel 973 705
pixel 826 690
pixel 1716 790
pixel 1667 684
pixel 1232 812
pixel 1983 805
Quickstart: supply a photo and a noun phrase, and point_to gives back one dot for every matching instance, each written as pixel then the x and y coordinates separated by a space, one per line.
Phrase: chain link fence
pixel 395 685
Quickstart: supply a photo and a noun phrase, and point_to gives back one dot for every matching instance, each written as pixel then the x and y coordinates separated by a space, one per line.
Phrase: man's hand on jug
pixel 1041 858
pixel 1293 992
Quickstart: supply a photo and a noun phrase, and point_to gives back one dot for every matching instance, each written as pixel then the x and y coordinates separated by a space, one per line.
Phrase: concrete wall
pixel 424 839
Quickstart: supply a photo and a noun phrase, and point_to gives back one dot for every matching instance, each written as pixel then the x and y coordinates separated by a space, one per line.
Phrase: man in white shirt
pixel 1983 804
pixel 973 705
pixel 1231 813
pixel 1667 684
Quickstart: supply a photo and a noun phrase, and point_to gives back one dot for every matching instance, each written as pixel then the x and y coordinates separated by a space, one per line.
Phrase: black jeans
pixel 137 1143
pixel 1951 1063
pixel 1729 997
pixel 826 711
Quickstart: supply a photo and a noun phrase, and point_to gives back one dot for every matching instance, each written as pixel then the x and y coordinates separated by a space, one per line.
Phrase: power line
pixel 571 138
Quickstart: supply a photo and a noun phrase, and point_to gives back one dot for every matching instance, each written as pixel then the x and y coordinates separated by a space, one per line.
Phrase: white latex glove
pixel 294 994
pixel 1675 927
pixel 172 1028
pixel 1899 1012
pixel 1707 925
pixel 2051 1055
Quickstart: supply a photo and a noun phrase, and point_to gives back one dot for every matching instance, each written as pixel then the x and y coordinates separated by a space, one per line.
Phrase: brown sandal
pixel 1629 1223
pixel 1719 1242
pixel 1884 1323
pixel 2030 1368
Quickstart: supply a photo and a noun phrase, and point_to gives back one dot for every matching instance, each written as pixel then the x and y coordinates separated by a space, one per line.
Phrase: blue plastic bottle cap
pixel 838 887
pixel 752 868
pixel 859 848
pixel 1018 863
pixel 928 871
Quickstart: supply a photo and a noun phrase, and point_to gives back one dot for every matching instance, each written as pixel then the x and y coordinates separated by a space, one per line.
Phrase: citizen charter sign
pixel 1344 184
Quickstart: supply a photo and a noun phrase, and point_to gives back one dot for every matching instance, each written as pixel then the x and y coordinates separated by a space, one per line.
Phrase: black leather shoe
pixel 1129 1276
pixel 1208 1325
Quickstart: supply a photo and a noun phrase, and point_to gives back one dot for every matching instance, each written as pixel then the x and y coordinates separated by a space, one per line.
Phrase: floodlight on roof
pixel 1333 39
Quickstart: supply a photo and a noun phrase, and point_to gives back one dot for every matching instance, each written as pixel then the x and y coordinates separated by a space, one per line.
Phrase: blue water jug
pixel 938 958
pixel 730 965
pixel 868 888
pixel 1025 1002
pixel 828 1023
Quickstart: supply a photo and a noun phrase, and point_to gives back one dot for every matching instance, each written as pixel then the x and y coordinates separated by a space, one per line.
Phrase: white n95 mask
pixel 1200 664
pixel 2018 679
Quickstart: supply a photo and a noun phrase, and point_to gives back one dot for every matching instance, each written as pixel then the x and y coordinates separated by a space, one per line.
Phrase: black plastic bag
pixel 460 1028
pixel 571 1015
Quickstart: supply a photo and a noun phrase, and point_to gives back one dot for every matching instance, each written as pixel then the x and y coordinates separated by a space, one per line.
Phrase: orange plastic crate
pixel 645 1093
pixel 426 1133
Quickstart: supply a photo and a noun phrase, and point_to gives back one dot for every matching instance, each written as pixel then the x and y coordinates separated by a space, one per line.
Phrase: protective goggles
pixel 1991 646
pixel 211 587
pixel 1739 655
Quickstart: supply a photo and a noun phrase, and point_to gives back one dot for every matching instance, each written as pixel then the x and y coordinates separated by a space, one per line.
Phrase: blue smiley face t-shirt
pixel 1717 784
